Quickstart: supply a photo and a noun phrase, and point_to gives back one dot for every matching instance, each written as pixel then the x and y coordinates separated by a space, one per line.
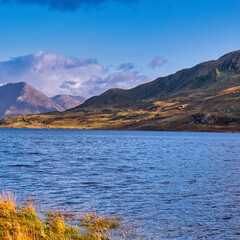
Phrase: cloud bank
pixel 157 62
pixel 65 5
pixel 55 74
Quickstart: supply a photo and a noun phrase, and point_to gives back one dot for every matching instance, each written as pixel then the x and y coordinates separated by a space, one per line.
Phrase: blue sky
pixel 181 33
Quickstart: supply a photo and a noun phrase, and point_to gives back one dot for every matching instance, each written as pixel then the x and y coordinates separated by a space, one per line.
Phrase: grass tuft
pixel 23 223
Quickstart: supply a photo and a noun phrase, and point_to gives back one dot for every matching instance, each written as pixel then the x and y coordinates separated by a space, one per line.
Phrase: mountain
pixel 205 97
pixel 203 76
pixel 68 101
pixel 22 99
pixel 79 98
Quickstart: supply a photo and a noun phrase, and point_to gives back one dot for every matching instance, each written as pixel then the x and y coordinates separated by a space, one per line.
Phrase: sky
pixel 85 47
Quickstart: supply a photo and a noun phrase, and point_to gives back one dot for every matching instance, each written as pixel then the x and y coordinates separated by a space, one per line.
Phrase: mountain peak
pixel 230 56
pixel 230 61
pixel 21 99
pixel 68 101
pixel 18 84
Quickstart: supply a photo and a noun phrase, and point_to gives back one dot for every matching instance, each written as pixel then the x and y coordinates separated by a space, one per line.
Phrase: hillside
pixel 68 101
pixel 203 98
pixel 202 76
pixel 21 99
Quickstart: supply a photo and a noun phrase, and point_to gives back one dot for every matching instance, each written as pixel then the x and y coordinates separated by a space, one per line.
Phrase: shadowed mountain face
pixel 22 99
pixel 202 76
pixel 203 98
pixel 68 101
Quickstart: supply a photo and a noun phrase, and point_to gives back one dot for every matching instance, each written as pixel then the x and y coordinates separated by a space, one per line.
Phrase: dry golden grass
pixel 22 223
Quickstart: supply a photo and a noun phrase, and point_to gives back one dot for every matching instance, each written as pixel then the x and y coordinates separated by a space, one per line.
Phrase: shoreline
pixel 108 129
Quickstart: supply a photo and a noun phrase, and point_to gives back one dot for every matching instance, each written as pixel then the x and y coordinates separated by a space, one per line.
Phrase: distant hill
pixel 68 101
pixel 205 97
pixel 22 99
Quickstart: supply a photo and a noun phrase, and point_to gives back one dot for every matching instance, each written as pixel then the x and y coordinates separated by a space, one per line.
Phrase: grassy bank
pixel 21 222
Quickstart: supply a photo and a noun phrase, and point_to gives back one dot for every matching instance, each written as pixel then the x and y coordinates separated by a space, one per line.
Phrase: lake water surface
pixel 173 185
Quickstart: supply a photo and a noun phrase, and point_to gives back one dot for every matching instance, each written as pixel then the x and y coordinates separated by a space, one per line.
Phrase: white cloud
pixel 122 79
pixel 157 62
pixel 55 74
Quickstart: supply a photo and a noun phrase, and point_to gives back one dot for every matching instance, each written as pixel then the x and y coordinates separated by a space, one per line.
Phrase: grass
pixel 21 222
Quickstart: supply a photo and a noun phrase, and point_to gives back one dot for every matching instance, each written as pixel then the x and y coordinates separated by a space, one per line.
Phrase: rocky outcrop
pixel 201 118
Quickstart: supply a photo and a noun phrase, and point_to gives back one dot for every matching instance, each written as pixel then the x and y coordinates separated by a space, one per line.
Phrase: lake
pixel 173 185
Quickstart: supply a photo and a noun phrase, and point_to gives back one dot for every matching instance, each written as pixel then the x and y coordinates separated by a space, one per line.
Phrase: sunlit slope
pixel 203 98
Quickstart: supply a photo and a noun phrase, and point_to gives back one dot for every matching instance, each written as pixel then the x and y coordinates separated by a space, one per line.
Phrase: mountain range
pixel 22 99
pixel 68 101
pixel 205 97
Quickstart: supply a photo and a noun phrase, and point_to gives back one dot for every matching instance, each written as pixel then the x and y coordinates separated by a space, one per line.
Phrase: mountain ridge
pixel 153 88
pixel 205 97
pixel 68 101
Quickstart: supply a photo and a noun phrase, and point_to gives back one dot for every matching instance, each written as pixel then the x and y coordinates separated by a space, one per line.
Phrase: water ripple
pixel 173 185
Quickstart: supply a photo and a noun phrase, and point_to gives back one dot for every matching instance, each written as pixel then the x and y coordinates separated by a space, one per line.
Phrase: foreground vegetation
pixel 21 222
